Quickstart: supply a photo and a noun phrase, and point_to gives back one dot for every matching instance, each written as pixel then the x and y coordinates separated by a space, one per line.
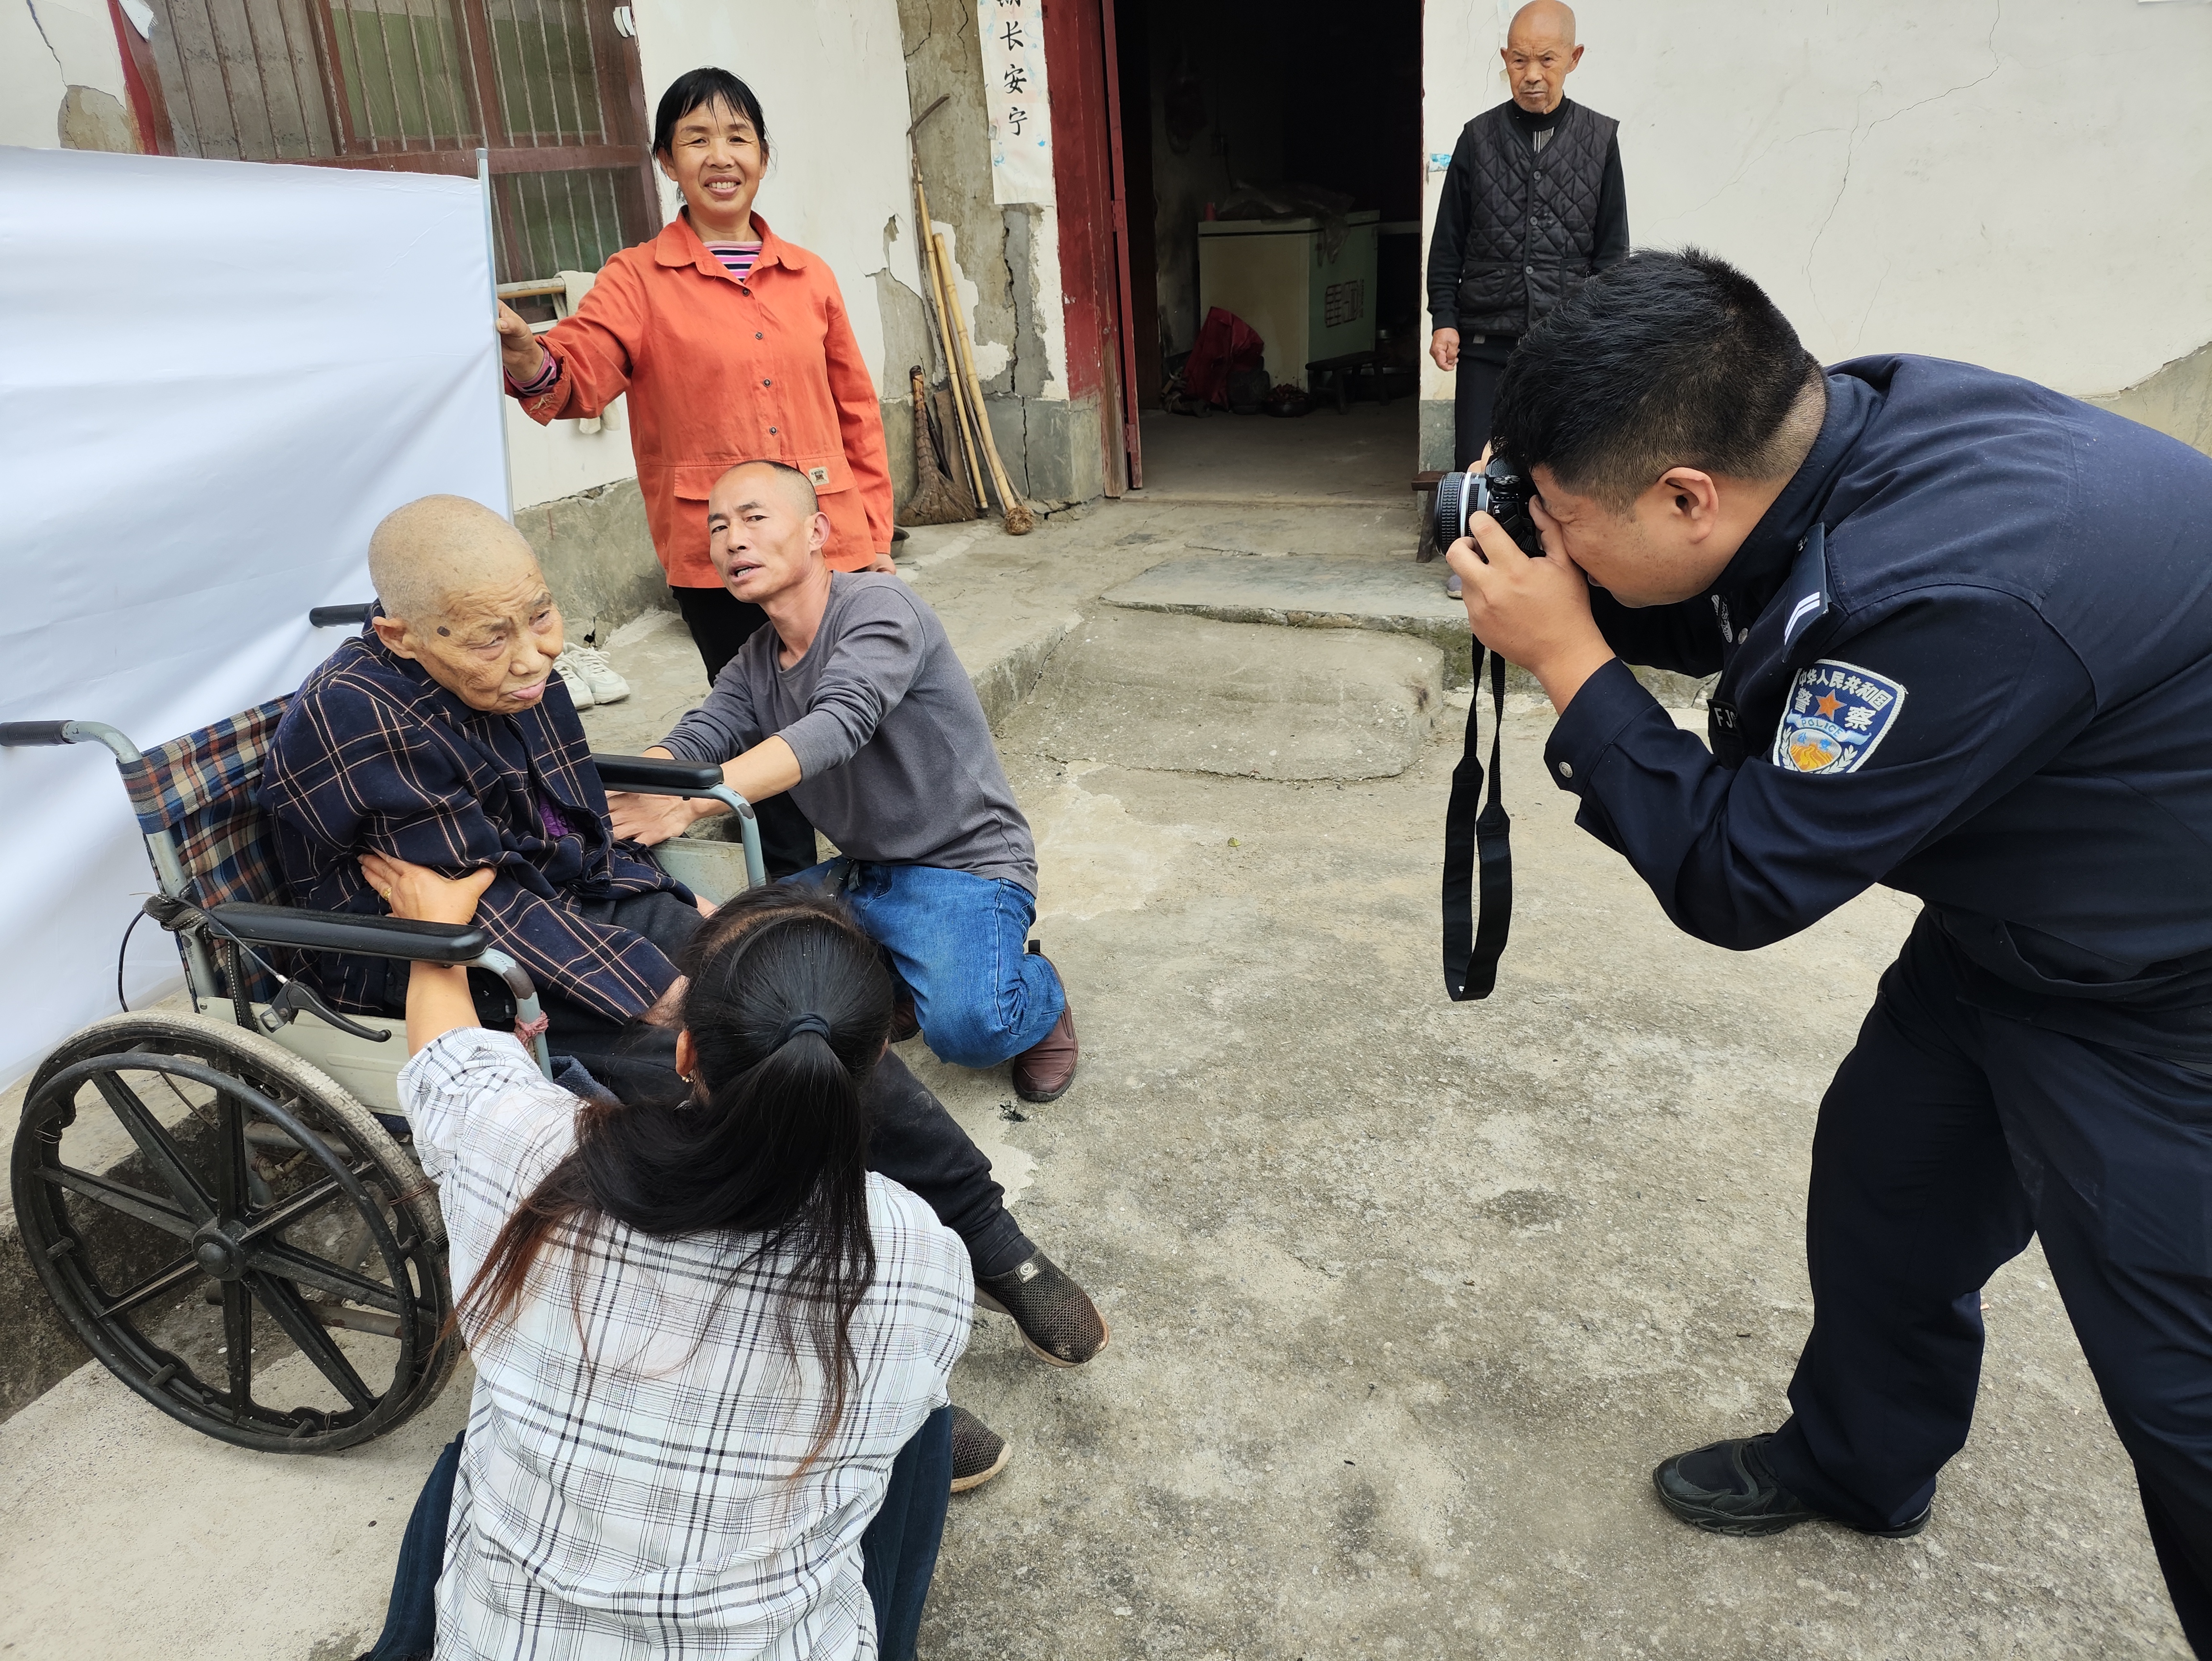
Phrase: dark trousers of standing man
pixel 720 624
pixel 1950 1136
pixel 1481 366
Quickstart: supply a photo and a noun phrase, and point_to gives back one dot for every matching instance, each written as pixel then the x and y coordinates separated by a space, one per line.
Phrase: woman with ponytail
pixel 708 1341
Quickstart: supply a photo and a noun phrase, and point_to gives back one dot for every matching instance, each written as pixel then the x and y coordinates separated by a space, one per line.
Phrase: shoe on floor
pixel 1056 1317
pixel 1452 585
pixel 1727 1487
pixel 580 690
pixel 979 1453
pixel 1043 1072
pixel 591 663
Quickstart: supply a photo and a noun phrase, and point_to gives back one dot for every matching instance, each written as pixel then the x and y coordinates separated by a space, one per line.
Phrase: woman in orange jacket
pixel 734 346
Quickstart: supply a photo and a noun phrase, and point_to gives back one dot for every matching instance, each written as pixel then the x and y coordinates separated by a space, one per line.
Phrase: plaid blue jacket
pixel 373 754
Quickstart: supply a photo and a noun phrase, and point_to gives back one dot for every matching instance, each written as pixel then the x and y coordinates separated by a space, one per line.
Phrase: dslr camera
pixel 1500 490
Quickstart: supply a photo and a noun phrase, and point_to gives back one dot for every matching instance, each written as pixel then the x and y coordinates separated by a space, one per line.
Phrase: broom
pixel 1020 522
pixel 933 502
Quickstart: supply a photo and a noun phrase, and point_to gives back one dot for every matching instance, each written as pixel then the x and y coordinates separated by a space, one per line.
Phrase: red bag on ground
pixel 1226 343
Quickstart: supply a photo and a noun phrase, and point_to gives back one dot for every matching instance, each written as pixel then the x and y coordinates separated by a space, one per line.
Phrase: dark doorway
pixel 1265 113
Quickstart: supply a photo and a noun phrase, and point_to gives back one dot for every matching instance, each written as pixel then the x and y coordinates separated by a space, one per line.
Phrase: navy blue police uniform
pixel 1966 653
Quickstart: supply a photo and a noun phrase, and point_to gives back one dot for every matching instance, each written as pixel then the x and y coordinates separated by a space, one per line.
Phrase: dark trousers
pixel 911 1139
pixel 1950 1136
pixel 720 624
pixel 1481 364
pixel 898 1552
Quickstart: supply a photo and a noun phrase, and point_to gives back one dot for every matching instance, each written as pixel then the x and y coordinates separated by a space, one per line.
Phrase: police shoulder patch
pixel 1835 715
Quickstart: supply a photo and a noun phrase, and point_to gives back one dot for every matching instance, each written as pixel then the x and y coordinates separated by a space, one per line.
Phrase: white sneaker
pixel 591 663
pixel 580 690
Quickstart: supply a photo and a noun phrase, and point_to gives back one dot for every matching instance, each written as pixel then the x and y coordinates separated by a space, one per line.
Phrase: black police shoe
pixel 979 1453
pixel 1727 1487
pixel 1058 1321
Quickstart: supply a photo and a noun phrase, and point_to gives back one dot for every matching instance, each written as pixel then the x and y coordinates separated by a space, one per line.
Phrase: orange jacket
pixel 720 372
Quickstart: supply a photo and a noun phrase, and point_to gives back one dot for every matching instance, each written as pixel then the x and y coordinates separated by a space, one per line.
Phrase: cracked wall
pixel 61 78
pixel 1961 180
pixel 1005 264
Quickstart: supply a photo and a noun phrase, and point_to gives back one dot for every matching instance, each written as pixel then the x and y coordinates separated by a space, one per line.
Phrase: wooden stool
pixel 1339 368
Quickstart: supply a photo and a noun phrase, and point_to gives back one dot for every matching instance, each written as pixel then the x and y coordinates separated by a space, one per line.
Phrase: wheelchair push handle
pixel 338 617
pixel 14 733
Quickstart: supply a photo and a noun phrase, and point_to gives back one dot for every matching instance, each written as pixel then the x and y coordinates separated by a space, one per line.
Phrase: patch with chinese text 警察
pixel 1837 714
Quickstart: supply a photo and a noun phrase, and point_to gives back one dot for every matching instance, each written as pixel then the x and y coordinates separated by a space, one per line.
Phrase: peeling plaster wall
pixel 1006 264
pixel 2022 186
pixel 61 78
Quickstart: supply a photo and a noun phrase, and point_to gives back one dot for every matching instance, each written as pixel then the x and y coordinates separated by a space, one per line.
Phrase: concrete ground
pixel 1362 454
pixel 1408 1297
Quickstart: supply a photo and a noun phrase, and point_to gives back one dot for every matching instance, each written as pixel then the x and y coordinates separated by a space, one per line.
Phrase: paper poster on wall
pixel 192 463
pixel 1011 32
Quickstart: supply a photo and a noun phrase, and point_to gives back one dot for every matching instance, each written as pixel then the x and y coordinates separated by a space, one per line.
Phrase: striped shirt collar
pixel 679 245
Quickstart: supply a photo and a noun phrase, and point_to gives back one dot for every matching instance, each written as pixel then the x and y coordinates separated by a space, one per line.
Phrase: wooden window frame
pixel 619 82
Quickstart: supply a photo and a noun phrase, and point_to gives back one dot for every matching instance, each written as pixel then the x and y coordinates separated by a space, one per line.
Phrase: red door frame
pixel 1092 202
pixel 1132 439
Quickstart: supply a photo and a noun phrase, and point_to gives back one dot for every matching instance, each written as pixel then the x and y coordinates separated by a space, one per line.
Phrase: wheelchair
pixel 225 1205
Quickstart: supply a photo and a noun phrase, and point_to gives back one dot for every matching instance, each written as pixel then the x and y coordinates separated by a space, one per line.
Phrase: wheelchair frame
pixel 290 1179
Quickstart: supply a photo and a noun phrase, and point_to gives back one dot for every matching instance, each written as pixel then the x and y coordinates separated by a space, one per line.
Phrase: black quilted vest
pixel 1533 225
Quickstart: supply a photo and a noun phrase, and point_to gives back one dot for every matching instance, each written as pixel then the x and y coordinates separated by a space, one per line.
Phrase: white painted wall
pixel 2027 186
pixel 47 46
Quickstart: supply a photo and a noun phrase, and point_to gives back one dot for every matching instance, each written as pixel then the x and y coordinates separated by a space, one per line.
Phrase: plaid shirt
pixel 373 754
pixel 626 1486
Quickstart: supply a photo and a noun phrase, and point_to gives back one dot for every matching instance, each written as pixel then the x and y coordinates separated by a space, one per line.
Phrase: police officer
pixel 1963 627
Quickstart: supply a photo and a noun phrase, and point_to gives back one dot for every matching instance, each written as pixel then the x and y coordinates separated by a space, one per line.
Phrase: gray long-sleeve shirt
pixel 896 762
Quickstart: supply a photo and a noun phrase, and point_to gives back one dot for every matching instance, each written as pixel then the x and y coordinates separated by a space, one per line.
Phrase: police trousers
pixel 1950 1136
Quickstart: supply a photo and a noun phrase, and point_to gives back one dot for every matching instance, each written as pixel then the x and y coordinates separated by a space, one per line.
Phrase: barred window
pixel 550 88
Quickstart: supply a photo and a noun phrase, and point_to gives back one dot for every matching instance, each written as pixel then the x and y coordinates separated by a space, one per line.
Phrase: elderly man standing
pixel 1532 206
pixel 441 736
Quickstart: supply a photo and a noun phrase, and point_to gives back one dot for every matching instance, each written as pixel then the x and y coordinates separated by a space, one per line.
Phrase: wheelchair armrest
pixel 367 937
pixel 652 776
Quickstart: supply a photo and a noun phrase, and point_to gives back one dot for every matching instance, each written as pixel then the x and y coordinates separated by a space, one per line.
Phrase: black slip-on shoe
pixel 979 1453
pixel 1726 1488
pixel 1056 1317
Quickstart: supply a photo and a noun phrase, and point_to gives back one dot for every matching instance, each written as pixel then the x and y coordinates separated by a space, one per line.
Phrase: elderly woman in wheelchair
pixel 270 1201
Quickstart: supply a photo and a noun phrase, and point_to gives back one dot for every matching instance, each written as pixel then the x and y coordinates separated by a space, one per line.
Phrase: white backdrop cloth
pixel 215 378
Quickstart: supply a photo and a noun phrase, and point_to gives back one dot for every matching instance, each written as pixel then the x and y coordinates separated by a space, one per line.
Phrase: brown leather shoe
pixel 1043 1072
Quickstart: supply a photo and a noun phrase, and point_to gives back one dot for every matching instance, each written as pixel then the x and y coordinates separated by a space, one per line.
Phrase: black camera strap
pixel 1472 952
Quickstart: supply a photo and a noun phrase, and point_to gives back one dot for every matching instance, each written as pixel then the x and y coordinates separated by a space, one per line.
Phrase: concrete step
pixel 1304 591
pixel 1188 695
pixel 1313 591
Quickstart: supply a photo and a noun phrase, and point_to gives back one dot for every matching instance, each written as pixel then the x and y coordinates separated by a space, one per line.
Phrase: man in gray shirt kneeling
pixel 855 703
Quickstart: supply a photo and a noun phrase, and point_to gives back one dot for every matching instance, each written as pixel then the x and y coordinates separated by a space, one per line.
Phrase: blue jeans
pixel 959 942
pixel 898 1552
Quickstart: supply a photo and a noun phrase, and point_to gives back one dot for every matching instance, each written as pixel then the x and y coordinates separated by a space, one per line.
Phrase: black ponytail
pixel 788 1007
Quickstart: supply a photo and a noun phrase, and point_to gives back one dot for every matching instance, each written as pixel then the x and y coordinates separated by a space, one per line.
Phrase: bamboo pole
pixel 1020 522
pixel 940 282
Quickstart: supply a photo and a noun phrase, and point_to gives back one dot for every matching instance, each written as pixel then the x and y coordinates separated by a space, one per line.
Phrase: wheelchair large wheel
pixel 226 1229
